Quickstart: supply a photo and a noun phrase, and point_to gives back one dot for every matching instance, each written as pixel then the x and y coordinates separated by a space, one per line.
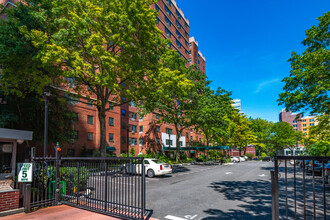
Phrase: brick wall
pixel 9 200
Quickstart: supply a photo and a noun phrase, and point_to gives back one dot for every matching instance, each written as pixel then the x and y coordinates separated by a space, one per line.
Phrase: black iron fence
pixel 300 187
pixel 112 186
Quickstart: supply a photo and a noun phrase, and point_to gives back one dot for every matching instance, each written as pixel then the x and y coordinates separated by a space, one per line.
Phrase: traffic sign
pixel 24 171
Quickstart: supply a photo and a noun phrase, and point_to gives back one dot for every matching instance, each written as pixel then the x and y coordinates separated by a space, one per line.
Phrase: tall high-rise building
pixel 237 104
pixel 125 127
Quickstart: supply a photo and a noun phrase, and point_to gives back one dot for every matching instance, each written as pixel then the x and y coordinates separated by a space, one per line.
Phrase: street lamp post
pixel 169 144
pixel 45 96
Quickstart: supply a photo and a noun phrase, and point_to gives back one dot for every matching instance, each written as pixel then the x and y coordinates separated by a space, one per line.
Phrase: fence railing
pixel 112 186
pixel 299 187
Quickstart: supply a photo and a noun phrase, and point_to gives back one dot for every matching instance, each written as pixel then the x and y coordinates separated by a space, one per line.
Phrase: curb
pixel 11 212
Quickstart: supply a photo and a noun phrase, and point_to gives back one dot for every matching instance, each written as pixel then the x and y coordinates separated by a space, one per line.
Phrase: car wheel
pixel 124 170
pixel 150 173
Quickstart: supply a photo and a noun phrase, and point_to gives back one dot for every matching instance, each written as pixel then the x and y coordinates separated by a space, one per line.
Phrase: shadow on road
pixel 253 198
pixel 179 169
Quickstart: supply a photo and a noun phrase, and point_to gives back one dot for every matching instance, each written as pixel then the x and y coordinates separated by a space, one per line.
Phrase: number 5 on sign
pixel 24 171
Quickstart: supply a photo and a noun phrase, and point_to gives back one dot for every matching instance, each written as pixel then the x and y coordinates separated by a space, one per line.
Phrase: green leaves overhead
pixel 307 87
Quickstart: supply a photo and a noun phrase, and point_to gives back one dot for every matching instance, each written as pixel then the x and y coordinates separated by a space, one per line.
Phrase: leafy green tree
pixel 308 85
pixel 22 69
pixel 283 136
pixel 109 48
pixel 24 113
pixel 261 129
pixel 175 94
pixel 210 117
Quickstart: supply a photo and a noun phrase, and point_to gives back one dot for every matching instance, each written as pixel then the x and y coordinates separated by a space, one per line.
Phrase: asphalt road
pixel 233 191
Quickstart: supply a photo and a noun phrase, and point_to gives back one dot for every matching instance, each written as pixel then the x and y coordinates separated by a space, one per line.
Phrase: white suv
pixel 153 167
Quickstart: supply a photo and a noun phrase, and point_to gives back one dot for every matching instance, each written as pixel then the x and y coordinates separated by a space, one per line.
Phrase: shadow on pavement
pixel 253 198
pixel 179 169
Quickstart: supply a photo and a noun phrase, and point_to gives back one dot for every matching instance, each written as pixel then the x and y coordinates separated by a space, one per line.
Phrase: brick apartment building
pixel 299 122
pixel 124 126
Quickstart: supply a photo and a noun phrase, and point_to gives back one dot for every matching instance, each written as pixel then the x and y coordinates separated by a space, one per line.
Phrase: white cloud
pixel 266 84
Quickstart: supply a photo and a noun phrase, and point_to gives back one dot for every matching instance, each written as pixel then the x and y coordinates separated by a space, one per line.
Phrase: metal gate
pixel 300 187
pixel 111 186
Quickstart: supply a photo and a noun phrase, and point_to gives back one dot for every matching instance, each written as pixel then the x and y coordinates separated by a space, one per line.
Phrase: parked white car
pixel 234 159
pixel 153 167
pixel 242 159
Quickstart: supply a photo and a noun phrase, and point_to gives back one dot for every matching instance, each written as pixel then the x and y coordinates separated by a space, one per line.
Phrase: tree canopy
pixel 307 87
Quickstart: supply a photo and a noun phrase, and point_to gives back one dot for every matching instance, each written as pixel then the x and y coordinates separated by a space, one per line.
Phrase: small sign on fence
pixel 24 171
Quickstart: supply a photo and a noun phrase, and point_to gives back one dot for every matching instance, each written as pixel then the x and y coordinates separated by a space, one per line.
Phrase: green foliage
pixel 165 159
pixel 262 131
pixel 24 113
pixel 201 158
pixel 109 48
pixel 308 85
pixel 70 176
pixel 211 116
pixel 175 93
pixel 250 155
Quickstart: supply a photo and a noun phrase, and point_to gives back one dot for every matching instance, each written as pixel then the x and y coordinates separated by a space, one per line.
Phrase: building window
pixel 110 106
pixel 311 124
pixel 185 24
pixel 111 121
pixel 141 141
pixel 157 128
pixel 90 136
pixel 189 45
pixel 178 13
pixel 157 140
pixel 90 103
pixel 200 139
pixel 133 116
pixel 189 60
pixel 90 119
pixel 178 23
pixel 304 125
pixel 168 131
pixel 311 120
pixel 178 33
pixel 305 129
pixel 186 42
pixel 294 121
pixel 169 2
pixel 169 142
pixel 168 33
pixel 123 112
pixel 111 137
pixel 304 120
pixel 187 135
pixel 168 21
pixel 157 7
pixel 133 128
pixel 191 130
pixel 185 33
pixel 180 143
pixel 132 141
pixel 186 51
pixel 141 129
pixel 191 138
pixel 157 20
pixel 178 43
pixel 295 126
pixel 123 125
pixel 167 10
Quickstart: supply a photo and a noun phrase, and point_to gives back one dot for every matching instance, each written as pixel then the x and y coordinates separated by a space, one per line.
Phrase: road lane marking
pixel 262 175
pixel 228 173
pixel 174 217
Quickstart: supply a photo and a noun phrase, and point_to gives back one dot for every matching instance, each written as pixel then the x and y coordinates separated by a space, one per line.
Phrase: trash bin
pixel 51 188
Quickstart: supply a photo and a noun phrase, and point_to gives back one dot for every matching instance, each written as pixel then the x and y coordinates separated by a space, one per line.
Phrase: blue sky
pixel 247 45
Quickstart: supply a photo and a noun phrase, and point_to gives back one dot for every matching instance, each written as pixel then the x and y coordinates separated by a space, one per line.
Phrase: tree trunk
pixel 103 142
pixel 207 145
pixel 177 159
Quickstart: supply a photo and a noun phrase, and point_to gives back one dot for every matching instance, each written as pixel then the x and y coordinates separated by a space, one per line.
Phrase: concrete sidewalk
pixel 61 212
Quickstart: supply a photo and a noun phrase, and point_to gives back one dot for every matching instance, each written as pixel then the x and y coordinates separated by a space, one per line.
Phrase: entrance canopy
pixel 199 148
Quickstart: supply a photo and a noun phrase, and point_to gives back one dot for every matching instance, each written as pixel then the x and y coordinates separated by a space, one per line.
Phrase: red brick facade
pixel 235 152
pixel 9 200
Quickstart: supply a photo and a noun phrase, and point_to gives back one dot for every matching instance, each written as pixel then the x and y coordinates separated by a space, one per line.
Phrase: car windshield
pixel 158 161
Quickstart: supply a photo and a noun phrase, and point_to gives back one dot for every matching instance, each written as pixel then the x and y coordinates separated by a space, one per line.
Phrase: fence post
pixel 143 190
pixel 27 198
pixel 57 178
pixel 106 187
pixel 78 181
pixel 274 183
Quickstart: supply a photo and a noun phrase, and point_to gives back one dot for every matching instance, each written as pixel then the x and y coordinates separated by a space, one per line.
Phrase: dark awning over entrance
pixel 110 149
pixel 199 148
